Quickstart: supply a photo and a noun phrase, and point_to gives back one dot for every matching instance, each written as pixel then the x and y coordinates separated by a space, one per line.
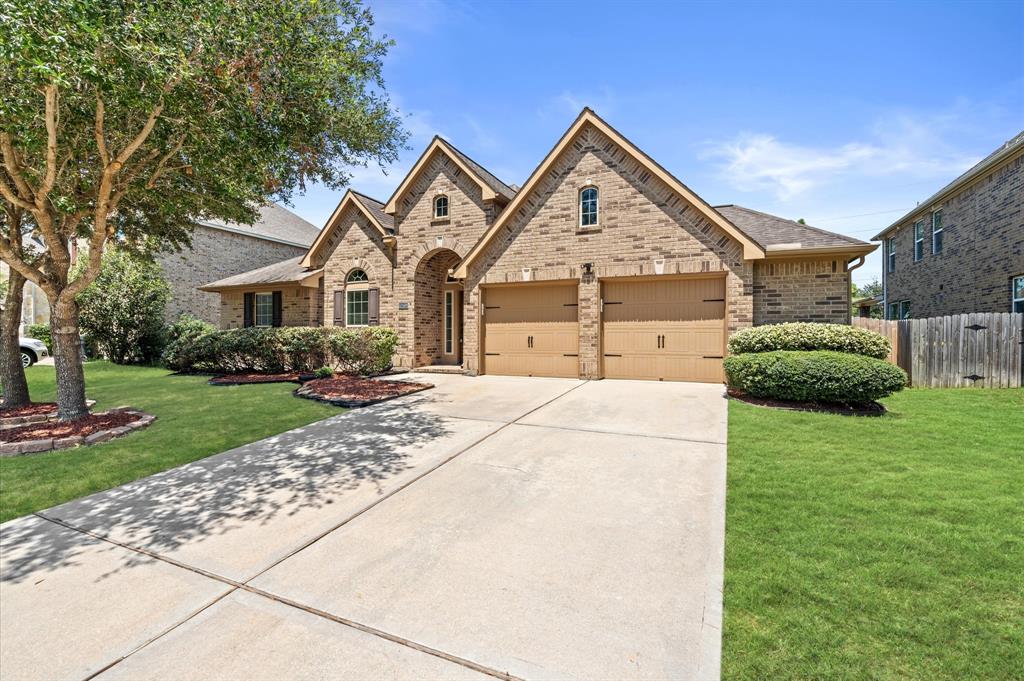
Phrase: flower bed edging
pixel 15 421
pixel 52 444
pixel 308 391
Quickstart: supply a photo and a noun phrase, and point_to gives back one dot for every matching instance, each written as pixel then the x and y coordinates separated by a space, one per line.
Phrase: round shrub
pixel 815 376
pixel 179 353
pixel 809 336
pixel 365 351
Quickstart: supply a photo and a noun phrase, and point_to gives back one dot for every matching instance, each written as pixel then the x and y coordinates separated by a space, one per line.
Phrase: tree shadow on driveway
pixel 238 512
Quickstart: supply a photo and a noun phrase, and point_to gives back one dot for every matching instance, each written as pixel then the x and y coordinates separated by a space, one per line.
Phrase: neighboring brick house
pixel 601 265
pixel 962 249
pixel 221 249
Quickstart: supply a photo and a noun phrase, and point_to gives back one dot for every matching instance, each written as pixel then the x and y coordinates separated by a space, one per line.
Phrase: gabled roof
pixel 273 223
pixel 1009 148
pixel 288 271
pixel 779 235
pixel 751 250
pixel 370 207
pixel 491 186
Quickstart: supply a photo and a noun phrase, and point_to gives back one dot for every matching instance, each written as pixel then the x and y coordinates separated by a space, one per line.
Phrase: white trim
pixel 447 207
pixel 597 207
pixel 256 309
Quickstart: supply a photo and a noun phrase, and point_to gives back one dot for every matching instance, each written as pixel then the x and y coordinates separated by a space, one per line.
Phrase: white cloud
pixel 896 145
pixel 602 100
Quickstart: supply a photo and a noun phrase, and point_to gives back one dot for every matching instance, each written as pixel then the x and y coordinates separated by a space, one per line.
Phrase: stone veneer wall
pixel 299 306
pixel 641 221
pixel 983 249
pixel 801 291
pixel 215 254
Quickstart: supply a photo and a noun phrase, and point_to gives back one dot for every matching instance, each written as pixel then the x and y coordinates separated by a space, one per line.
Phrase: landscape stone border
pixel 309 393
pixel 52 444
pixel 15 421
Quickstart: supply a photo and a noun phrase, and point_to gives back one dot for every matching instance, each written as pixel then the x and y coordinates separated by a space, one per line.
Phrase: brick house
pixel 601 265
pixel 962 249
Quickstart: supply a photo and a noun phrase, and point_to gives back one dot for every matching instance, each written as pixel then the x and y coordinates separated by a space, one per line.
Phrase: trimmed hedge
pixel 364 351
pixel 809 336
pixel 814 376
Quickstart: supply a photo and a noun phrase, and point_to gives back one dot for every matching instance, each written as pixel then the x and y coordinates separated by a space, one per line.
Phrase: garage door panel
pixel 531 330
pixel 664 329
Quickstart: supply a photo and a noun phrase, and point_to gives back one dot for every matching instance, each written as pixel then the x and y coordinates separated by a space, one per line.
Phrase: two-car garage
pixel 654 328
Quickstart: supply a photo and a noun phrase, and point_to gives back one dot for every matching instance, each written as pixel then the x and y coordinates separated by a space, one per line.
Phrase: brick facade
pixel 802 290
pixel 982 249
pixel 300 306
pixel 215 254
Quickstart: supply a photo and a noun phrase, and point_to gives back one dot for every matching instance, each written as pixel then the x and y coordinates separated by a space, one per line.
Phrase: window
pixel 892 254
pixel 894 311
pixel 264 309
pixel 441 206
pixel 937 232
pixel 904 309
pixel 357 299
pixel 449 297
pixel 1017 288
pixel 588 207
pixel 899 310
pixel 918 240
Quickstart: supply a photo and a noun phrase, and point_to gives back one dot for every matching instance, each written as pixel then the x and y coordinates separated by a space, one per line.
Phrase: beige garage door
pixel 531 330
pixel 664 329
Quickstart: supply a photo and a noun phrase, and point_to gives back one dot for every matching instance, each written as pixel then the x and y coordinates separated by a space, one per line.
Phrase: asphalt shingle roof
pixel 492 181
pixel 274 222
pixel 376 208
pixel 771 230
pixel 284 272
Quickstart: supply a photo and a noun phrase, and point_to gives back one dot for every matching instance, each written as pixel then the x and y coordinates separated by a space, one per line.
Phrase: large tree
pixel 12 372
pixel 129 120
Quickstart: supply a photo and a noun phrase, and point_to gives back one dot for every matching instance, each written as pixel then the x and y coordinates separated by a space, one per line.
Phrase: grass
pixel 877 548
pixel 194 420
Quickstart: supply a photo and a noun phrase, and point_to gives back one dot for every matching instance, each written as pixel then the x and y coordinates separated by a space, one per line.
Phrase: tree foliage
pixel 122 311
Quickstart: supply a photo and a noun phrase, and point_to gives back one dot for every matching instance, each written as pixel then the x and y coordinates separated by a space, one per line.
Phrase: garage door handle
pixel 714 300
pixel 491 354
pixel 569 354
pixel 713 357
pixel 608 355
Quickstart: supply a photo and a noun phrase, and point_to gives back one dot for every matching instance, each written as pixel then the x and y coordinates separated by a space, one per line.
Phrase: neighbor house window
pixel 937 232
pixel 1017 286
pixel 357 299
pixel 588 207
pixel 892 253
pixel 904 309
pixel 264 309
pixel 894 311
pixel 918 240
pixel 441 207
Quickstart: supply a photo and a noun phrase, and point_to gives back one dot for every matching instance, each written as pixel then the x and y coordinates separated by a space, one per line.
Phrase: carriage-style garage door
pixel 531 330
pixel 664 329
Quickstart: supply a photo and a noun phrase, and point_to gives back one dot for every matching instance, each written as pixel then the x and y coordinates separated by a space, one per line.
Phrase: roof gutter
pixel 852 250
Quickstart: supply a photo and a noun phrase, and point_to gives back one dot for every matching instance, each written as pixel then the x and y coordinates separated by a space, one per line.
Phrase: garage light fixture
pixel 588 268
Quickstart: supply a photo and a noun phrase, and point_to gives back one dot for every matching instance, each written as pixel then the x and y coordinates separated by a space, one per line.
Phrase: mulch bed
pixel 246 379
pixel 95 428
pixel 34 409
pixel 869 409
pixel 353 391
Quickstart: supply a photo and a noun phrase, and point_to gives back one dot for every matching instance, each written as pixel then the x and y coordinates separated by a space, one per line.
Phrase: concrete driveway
pixel 491 527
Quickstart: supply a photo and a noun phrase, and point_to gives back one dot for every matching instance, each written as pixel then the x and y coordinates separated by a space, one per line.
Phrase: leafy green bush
pixel 814 376
pixel 122 311
pixel 324 372
pixel 41 332
pixel 809 336
pixel 179 353
pixel 273 350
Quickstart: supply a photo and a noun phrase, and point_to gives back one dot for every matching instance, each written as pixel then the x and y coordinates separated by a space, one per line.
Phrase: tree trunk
pixel 12 373
pixel 67 358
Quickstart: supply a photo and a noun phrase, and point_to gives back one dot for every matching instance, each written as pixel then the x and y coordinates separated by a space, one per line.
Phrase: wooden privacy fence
pixel 976 350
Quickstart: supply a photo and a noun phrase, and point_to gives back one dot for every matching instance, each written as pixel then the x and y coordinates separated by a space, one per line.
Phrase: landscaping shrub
pixel 273 350
pixel 41 332
pixel 814 376
pixel 809 336
pixel 179 353
pixel 122 311
pixel 324 372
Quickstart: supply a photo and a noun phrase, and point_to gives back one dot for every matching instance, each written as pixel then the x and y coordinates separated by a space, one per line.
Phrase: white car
pixel 32 350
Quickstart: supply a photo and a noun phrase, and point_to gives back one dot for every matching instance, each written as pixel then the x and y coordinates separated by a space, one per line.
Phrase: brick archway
pixel 429 309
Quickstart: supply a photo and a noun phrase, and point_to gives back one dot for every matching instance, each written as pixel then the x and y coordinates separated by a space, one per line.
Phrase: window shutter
pixel 249 309
pixel 339 308
pixel 373 300
pixel 276 319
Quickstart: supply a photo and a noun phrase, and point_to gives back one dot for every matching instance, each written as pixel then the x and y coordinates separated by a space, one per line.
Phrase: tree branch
pixel 101 135
pixel 14 170
pixel 151 183
pixel 51 146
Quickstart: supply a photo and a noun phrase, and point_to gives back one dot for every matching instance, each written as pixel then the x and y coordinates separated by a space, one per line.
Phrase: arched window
pixel 588 207
pixel 441 206
pixel 357 299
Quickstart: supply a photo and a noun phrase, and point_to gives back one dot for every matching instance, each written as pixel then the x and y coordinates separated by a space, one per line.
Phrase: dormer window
pixel 440 207
pixel 588 207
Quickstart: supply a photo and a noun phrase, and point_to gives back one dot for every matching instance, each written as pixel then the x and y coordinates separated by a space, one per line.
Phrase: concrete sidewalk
pixel 540 528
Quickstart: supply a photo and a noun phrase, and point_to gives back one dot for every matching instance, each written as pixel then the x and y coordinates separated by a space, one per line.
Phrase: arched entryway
pixel 438 310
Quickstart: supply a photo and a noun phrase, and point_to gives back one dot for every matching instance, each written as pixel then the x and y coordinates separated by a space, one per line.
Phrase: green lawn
pixel 877 548
pixel 194 420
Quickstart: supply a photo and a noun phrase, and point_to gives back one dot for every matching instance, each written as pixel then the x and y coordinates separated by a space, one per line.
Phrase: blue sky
pixel 845 114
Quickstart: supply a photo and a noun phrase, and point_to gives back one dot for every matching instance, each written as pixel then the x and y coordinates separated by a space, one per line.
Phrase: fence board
pixel 943 352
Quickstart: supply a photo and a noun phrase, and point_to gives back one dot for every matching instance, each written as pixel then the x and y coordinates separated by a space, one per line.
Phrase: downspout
pixel 849 283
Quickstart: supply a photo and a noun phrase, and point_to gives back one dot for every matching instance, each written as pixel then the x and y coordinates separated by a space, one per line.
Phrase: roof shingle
pixel 285 272
pixel 273 222
pixel 771 230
